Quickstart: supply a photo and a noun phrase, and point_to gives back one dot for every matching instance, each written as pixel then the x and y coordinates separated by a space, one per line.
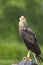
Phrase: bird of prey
pixel 29 38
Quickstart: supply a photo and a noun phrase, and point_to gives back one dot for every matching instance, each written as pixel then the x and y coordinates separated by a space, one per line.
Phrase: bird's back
pixel 30 41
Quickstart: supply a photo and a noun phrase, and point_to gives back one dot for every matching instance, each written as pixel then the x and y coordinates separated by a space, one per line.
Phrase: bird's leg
pixel 35 58
pixel 28 56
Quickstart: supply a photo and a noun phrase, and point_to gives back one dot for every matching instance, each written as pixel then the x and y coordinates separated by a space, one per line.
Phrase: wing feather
pixel 30 40
pixel 28 35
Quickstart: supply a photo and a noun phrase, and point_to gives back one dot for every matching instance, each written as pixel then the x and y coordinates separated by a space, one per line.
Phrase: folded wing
pixel 30 40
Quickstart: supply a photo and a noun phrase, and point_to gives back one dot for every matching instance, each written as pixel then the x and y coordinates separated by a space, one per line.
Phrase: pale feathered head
pixel 22 18
pixel 22 22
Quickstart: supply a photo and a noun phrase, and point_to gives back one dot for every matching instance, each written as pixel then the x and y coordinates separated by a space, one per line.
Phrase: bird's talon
pixel 28 59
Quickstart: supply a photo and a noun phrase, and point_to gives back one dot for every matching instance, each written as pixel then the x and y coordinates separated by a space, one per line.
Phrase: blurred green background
pixel 12 48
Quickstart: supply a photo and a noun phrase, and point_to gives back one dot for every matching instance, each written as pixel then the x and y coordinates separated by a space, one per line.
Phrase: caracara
pixel 29 38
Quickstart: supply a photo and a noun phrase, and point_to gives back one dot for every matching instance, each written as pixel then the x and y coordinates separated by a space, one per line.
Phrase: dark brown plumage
pixel 28 36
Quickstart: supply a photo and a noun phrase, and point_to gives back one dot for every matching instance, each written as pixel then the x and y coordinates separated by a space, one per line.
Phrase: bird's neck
pixel 23 25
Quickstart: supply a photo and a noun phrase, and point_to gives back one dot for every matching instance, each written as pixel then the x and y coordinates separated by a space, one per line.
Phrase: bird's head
pixel 22 22
pixel 22 19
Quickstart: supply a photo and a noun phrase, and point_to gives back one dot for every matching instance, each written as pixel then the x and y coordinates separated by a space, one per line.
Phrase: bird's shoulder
pixel 29 31
pixel 28 35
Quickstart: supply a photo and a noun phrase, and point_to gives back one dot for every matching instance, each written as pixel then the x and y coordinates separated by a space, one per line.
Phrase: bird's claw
pixel 27 59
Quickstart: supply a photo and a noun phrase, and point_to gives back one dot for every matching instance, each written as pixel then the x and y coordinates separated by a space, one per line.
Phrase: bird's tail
pixel 41 58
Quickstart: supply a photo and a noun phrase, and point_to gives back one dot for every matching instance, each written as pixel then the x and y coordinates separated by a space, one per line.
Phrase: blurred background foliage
pixel 10 11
